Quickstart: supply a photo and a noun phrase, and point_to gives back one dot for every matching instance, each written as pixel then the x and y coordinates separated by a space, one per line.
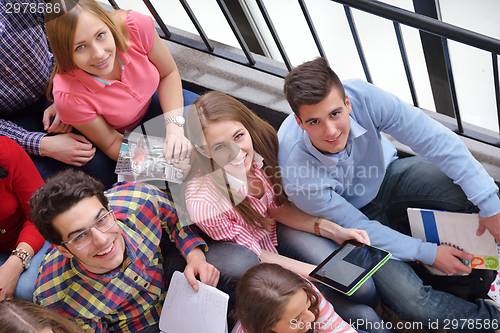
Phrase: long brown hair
pixel 61 33
pixel 262 294
pixel 18 316
pixel 215 106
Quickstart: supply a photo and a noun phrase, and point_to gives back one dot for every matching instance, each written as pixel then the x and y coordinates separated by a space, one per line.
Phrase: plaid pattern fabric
pixel 129 298
pixel 25 60
pixel 29 141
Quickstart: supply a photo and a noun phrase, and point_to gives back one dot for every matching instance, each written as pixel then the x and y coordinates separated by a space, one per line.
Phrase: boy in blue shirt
pixel 350 174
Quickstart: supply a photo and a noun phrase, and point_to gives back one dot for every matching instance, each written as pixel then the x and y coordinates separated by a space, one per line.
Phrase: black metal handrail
pixel 397 15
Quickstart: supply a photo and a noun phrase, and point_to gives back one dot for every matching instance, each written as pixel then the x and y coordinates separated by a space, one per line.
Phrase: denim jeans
pixel 153 123
pixel 26 283
pixel 415 182
pixel 30 118
pixel 357 309
pixel 100 166
pixel 232 261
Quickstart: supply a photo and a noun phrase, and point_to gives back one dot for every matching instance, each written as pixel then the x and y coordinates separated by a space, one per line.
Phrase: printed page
pixel 188 311
pixel 457 230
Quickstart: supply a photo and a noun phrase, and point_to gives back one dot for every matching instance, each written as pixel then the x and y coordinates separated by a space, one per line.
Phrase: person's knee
pixel 232 260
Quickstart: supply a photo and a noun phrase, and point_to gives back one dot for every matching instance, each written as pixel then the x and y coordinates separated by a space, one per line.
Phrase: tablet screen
pixel 347 267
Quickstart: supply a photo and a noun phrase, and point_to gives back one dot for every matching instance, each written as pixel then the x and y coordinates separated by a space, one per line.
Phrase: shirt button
pixel 136 278
pixel 146 285
pixel 7 69
pixel 3 231
pixel 22 84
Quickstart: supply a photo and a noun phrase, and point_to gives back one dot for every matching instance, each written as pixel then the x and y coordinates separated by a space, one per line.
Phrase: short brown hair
pixel 262 294
pixel 310 83
pixel 60 193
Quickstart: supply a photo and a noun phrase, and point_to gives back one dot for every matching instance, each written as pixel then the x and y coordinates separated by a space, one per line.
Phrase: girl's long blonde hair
pixel 61 32
pixel 18 316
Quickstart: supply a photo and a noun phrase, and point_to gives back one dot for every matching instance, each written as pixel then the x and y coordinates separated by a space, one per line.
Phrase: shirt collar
pixel 94 84
pixel 332 160
pixel 237 184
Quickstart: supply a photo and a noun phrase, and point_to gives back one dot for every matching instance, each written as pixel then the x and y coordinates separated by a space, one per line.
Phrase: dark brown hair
pixel 262 294
pixel 59 194
pixel 18 316
pixel 310 83
pixel 61 33
pixel 216 106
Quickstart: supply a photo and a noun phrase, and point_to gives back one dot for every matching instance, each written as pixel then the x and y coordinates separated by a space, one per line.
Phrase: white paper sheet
pixel 188 311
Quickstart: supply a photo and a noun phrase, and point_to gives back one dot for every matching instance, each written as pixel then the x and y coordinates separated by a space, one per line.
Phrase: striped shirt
pixel 130 297
pixel 328 320
pixel 215 215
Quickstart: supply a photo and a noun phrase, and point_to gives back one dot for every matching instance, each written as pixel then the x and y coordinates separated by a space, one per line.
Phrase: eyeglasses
pixel 84 238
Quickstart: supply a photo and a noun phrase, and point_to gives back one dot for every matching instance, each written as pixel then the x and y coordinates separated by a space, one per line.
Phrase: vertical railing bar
pixel 157 18
pixel 494 58
pixel 236 31
pixel 355 36
pixel 452 84
pixel 114 4
pixel 197 25
pixel 406 64
pixel 274 34
pixel 312 28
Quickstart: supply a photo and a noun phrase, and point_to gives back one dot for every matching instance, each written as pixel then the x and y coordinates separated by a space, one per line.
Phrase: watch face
pixel 27 262
pixel 180 120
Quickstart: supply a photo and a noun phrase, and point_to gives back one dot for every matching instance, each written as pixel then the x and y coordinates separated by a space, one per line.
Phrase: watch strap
pixel 23 255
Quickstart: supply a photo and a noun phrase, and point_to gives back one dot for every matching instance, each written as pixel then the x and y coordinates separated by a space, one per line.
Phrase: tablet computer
pixel 349 266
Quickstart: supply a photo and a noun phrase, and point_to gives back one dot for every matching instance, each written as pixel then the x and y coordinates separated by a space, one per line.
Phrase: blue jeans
pixel 415 182
pixel 232 261
pixel 26 283
pixel 100 166
pixel 30 118
pixel 356 309
pixel 151 125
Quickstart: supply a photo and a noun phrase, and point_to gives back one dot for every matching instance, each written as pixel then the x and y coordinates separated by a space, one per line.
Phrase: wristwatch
pixel 24 256
pixel 178 120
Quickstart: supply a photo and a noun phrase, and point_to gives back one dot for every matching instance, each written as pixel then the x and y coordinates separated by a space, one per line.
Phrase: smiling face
pixel 230 145
pixel 327 123
pixel 94 49
pixel 105 252
pixel 296 317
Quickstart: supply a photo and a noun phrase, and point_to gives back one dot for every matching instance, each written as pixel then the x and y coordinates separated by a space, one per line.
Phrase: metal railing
pixel 425 24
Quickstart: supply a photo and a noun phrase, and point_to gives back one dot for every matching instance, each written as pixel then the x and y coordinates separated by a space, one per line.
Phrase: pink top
pixel 328 320
pixel 214 214
pixel 81 97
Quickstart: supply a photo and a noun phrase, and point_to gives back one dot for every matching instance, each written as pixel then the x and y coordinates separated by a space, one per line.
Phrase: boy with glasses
pixel 106 266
